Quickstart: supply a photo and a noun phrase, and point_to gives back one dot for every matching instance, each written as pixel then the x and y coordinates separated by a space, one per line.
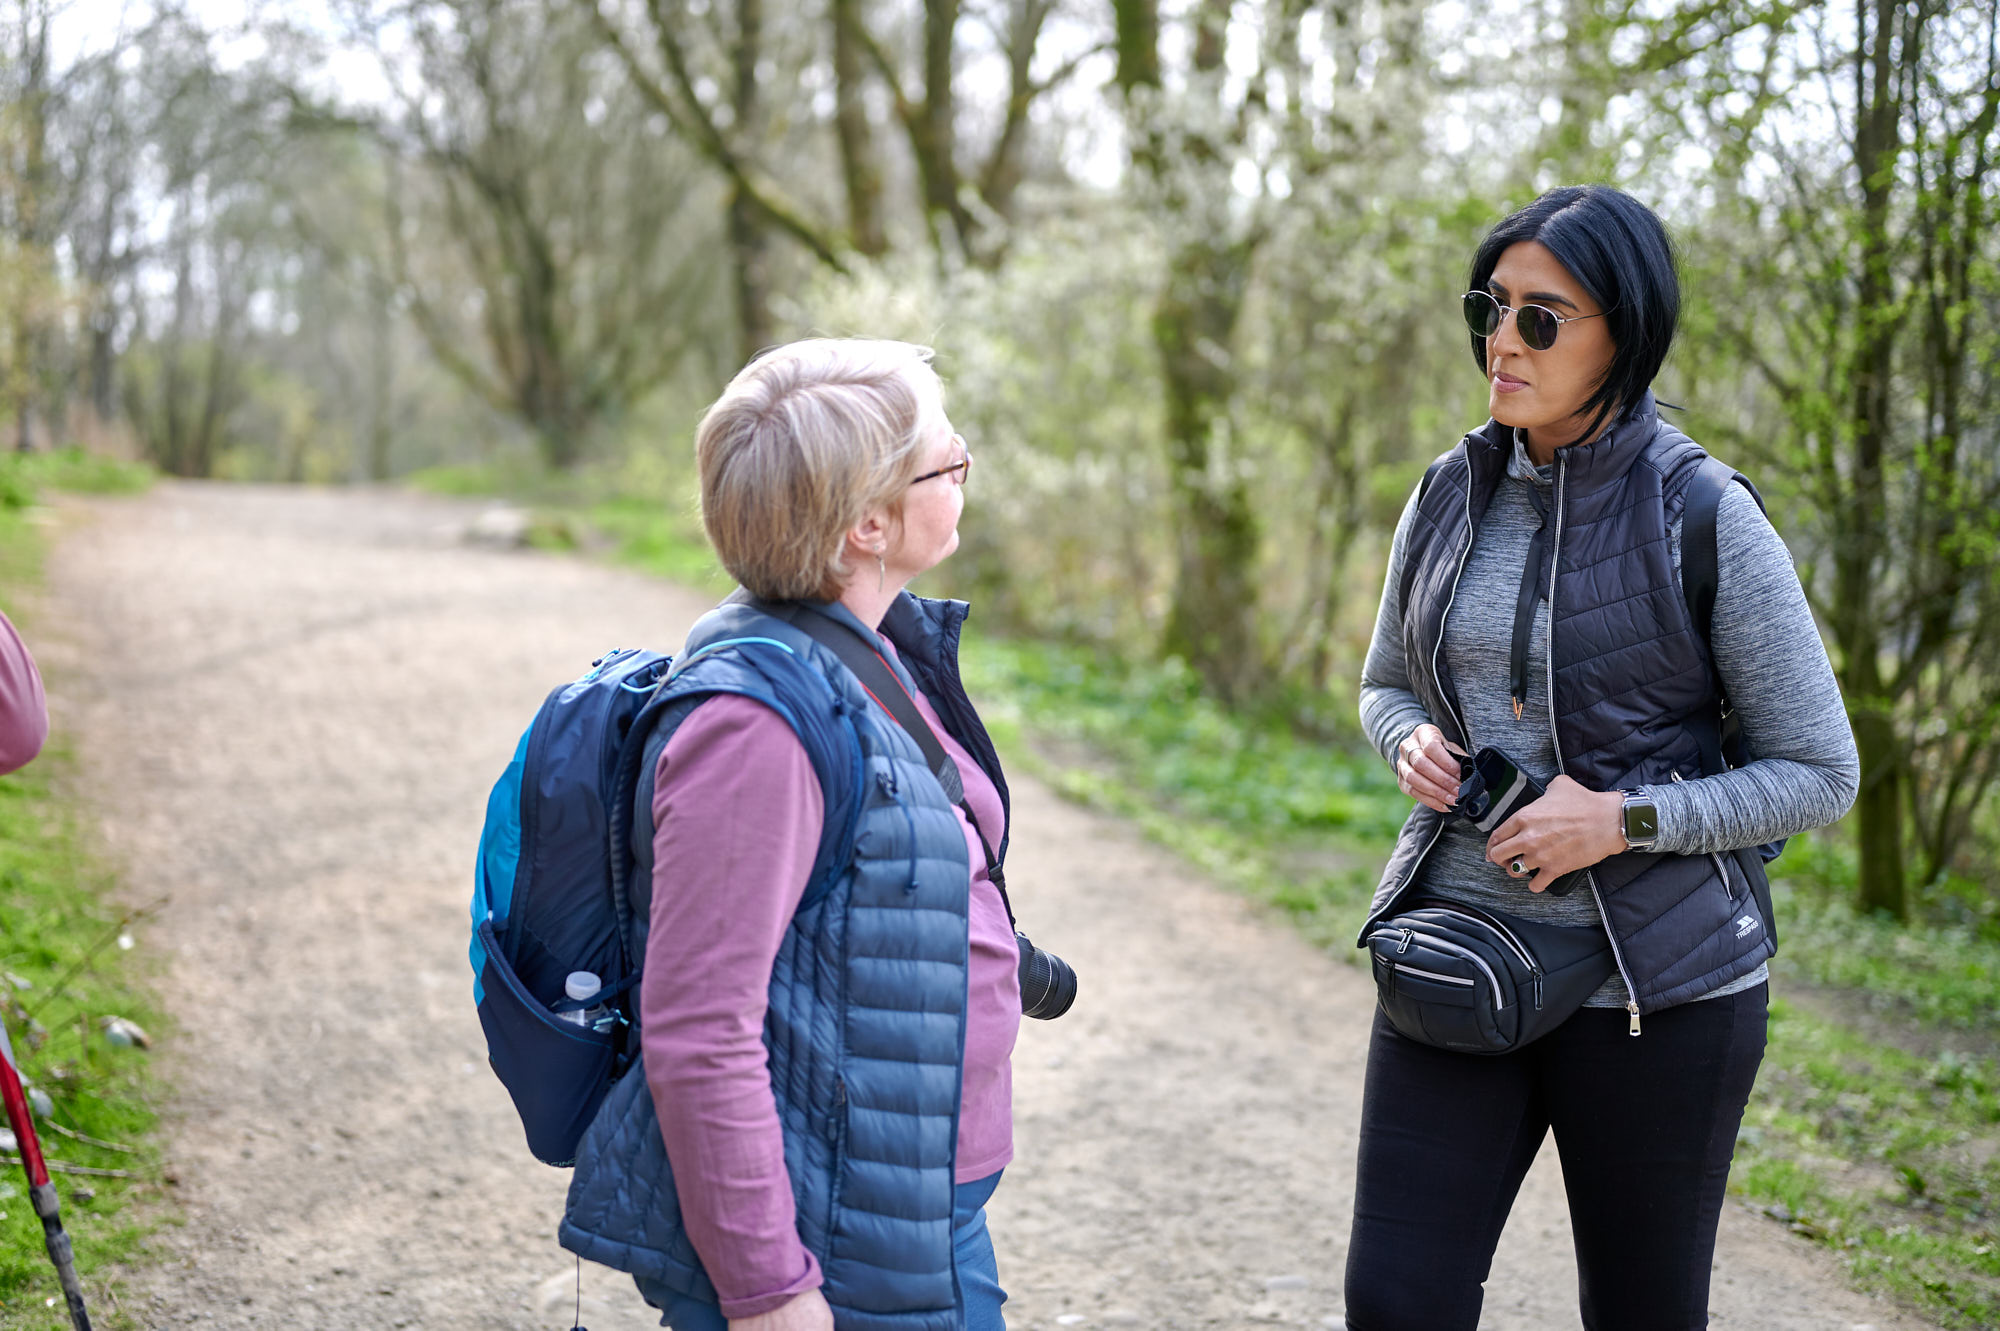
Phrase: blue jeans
pixel 978 1270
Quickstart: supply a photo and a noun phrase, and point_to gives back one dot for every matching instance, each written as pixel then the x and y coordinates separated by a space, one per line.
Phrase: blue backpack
pixel 550 897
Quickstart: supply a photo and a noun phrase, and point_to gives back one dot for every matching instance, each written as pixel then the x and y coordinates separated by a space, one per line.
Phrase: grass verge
pixel 1888 1156
pixel 65 964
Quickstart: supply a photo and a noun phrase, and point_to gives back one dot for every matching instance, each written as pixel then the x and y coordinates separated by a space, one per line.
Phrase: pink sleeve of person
pixel 24 715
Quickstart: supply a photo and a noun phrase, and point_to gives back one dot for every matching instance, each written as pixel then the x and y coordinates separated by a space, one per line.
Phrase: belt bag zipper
pixel 1506 935
pixel 1456 949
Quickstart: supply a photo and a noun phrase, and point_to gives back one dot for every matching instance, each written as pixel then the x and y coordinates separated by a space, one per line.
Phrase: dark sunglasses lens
pixel 1538 327
pixel 1482 313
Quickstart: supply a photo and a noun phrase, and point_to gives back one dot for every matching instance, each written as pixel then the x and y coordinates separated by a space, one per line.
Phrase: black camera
pixel 1048 983
pixel 1492 789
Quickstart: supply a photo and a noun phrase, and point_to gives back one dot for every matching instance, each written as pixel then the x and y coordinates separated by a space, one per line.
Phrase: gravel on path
pixel 290 704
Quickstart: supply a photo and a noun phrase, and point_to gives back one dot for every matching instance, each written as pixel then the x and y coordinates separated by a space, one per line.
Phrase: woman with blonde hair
pixel 830 995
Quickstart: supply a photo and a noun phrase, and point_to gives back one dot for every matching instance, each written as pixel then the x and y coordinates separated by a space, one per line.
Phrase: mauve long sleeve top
pixel 737 813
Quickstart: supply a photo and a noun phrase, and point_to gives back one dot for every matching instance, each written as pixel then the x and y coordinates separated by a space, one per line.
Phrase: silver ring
pixel 1518 867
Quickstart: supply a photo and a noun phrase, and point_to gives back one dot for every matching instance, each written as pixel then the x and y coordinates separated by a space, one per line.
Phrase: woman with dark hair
pixel 1534 605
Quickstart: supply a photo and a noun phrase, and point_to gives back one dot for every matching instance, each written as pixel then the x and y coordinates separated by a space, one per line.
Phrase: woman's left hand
pixel 1567 829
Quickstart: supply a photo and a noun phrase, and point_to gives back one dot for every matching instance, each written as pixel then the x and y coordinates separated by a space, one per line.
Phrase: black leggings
pixel 1645 1126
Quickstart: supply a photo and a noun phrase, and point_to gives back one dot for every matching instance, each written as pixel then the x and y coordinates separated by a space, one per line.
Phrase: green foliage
pixel 17 491
pixel 652 536
pixel 1288 819
pixel 23 476
pixel 81 472
pixel 1933 970
pixel 1884 1154
pixel 459 479
pixel 62 969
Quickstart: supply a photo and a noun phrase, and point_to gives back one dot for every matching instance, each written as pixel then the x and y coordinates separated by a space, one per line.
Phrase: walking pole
pixel 41 1192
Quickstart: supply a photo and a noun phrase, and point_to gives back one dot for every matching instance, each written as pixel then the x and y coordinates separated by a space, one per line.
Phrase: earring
pixel 881 571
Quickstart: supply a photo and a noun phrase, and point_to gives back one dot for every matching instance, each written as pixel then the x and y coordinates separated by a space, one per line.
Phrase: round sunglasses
pixel 1537 324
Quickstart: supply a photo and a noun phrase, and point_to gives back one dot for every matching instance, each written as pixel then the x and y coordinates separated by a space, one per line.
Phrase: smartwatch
pixel 1642 820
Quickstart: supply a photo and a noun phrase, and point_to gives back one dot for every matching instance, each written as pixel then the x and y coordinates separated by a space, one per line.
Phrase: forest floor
pixel 289 705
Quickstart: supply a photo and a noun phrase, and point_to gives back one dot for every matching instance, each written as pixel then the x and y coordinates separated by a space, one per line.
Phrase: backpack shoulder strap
pixel 1699 573
pixel 1700 570
pixel 771 680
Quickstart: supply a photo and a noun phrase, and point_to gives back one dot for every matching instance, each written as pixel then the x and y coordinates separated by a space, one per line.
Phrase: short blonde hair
pixel 802 444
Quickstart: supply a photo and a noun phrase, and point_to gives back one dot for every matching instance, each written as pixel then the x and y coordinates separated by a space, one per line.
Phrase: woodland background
pixel 1191 269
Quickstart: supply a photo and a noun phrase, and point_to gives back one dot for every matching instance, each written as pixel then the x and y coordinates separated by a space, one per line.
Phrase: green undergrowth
pixel 1887 1155
pixel 24 475
pixel 1294 822
pixel 1875 1128
pixel 653 537
pixel 1941 967
pixel 588 513
pixel 67 961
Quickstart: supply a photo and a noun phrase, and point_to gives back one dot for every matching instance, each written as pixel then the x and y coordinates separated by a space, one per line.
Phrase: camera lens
pixel 1048 984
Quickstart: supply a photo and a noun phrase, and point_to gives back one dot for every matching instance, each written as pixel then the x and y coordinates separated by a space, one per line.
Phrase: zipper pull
pixel 1517 709
pixel 1404 946
pixel 1632 1006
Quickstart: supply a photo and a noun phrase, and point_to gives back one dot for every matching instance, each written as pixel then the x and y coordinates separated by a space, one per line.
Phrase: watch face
pixel 1642 823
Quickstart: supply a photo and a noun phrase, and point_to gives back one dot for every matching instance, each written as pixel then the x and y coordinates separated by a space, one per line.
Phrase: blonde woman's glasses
pixel 959 471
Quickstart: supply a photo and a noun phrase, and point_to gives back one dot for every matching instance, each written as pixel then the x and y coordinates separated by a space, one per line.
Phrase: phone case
pixel 1494 789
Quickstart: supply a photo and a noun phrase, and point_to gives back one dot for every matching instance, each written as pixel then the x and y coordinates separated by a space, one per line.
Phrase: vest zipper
pixel 1555 564
pixel 1464 556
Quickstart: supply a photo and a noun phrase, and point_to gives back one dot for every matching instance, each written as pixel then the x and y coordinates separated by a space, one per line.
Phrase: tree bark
pixel 30 192
pixel 1213 620
pixel 933 134
pixel 1858 557
pixel 1138 33
pixel 861 168
pixel 749 245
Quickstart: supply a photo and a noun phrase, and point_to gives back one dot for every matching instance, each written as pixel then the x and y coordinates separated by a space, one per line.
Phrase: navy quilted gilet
pixel 1628 672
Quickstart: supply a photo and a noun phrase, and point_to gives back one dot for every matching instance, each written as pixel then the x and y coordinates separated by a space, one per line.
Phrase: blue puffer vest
pixel 1627 673
pixel 866 1025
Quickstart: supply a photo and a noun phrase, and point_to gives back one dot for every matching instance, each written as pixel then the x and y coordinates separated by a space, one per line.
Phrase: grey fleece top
pixel 1774 669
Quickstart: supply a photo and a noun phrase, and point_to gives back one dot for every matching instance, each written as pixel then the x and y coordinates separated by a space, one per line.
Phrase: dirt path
pixel 290 704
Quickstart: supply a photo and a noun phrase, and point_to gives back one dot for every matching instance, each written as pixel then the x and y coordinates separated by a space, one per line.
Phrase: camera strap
pixel 865 660
pixel 1534 577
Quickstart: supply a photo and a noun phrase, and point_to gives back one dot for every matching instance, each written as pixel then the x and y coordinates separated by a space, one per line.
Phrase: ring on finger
pixel 1518 868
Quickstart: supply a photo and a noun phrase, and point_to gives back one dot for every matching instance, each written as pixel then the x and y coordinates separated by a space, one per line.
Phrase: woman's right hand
pixel 1427 768
pixel 803 1312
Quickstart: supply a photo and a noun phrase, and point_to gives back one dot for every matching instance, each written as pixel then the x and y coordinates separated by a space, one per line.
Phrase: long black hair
pixel 1619 253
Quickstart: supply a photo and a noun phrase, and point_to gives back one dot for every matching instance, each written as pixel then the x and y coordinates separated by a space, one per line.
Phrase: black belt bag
pixel 1479 982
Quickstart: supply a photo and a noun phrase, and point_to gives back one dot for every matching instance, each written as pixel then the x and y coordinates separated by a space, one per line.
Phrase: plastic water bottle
pixel 582 986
